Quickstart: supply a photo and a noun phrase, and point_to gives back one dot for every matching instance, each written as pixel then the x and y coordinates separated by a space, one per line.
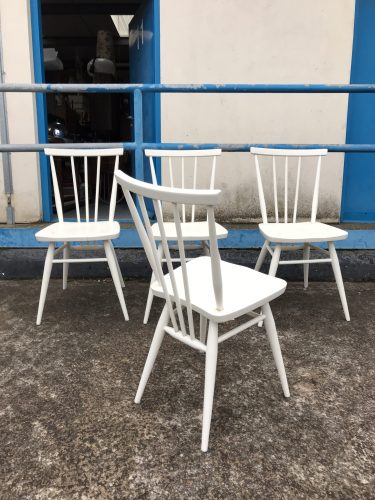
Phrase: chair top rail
pixel 288 152
pixel 160 153
pixel 83 152
pixel 172 195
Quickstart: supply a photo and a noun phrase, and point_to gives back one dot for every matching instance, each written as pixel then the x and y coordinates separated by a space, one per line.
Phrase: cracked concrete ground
pixel 70 429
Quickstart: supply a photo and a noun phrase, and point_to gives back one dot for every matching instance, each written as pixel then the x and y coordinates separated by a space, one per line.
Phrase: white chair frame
pixel 210 297
pixel 292 232
pixel 191 230
pixel 87 232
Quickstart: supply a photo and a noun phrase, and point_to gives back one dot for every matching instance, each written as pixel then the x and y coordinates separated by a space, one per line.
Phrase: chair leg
pixel 66 255
pixel 117 265
pixel 275 260
pixel 206 248
pixel 273 266
pixel 150 296
pixel 209 382
pixel 46 276
pixel 306 256
pixel 261 256
pixel 269 323
pixel 115 277
pixel 338 277
pixel 202 328
pixel 153 352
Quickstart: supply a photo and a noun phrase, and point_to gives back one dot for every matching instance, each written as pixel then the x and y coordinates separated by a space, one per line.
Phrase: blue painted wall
pixel 41 107
pixel 144 58
pixel 358 197
pixel 237 238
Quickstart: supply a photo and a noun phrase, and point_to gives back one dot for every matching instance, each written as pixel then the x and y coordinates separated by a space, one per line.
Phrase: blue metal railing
pixel 138 89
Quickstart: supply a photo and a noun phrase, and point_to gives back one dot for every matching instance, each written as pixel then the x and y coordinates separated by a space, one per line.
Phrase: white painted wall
pixel 217 41
pixel 18 66
pixel 252 41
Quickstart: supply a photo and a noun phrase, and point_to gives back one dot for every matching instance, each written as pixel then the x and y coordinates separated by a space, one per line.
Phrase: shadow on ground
pixel 70 429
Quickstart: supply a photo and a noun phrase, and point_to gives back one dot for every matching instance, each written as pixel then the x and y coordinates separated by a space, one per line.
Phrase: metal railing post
pixel 138 134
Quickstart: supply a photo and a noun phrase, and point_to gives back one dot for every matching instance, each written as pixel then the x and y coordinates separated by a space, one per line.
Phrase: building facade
pixel 217 41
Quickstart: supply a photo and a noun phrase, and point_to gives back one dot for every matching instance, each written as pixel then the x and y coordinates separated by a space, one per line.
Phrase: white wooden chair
pixel 183 171
pixel 91 234
pixel 292 233
pixel 204 287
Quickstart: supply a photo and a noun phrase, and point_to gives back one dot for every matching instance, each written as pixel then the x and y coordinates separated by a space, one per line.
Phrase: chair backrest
pixel 73 154
pixel 282 187
pixel 183 171
pixel 177 197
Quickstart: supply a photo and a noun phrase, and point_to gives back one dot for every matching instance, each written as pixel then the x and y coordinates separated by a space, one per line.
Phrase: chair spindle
pixel 194 186
pixel 86 189
pixel 314 207
pixel 297 189
pixel 97 189
pixel 275 188
pixel 181 249
pixel 78 212
pixel 286 192
pixel 56 191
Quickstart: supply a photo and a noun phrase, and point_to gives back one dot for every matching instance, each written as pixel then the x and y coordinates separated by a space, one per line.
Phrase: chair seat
pixel 191 231
pixel 244 289
pixel 300 232
pixel 79 231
